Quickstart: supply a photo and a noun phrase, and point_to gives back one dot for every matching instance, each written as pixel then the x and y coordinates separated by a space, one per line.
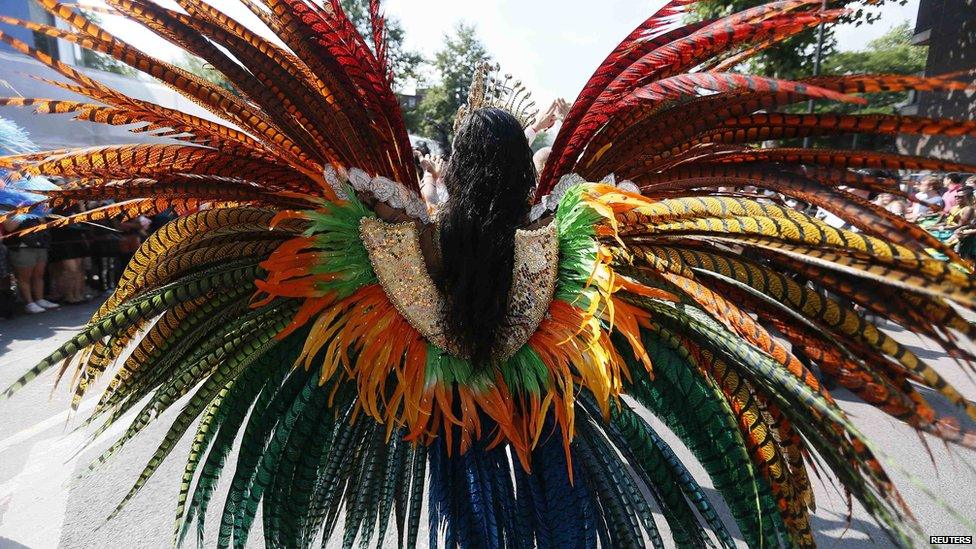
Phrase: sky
pixel 551 45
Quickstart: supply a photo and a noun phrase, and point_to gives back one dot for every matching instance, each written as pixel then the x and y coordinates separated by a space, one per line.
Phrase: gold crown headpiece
pixel 490 89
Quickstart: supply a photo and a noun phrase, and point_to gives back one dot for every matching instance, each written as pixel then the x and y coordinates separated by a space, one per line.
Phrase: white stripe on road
pixel 38 428
pixel 36 500
pixel 38 496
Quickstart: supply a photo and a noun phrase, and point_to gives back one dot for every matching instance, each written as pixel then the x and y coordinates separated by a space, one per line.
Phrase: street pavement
pixel 47 499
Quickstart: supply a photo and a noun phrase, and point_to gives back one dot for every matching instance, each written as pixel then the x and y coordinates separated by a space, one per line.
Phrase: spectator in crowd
pixel 28 257
pixel 927 195
pixel 962 221
pixel 971 181
pixel 104 245
pixel 953 183
pixel 7 297
pixel 962 213
pixel 540 158
pixel 132 232
pixel 69 251
pixel 432 187
pixel 891 203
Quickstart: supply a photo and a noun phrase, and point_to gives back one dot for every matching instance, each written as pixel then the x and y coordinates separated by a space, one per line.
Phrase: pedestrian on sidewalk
pixel 28 257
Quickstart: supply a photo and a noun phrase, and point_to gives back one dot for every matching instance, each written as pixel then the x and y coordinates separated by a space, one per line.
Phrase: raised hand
pixel 432 164
pixel 562 108
pixel 546 120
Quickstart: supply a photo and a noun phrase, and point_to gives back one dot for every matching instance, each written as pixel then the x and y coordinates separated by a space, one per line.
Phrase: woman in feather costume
pixel 310 313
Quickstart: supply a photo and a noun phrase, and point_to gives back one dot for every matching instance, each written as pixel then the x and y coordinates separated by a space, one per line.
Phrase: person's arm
pixel 383 210
pixel 395 215
pixel 966 216
pixel 945 225
pixel 428 189
pixel 432 166
pixel 898 208
pixel 965 220
pixel 543 123
pixel 11 224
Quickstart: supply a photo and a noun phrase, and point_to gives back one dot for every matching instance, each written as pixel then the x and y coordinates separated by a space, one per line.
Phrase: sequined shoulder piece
pixel 533 283
pixel 394 250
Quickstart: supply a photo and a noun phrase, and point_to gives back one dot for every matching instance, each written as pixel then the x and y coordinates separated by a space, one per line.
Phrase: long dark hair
pixel 488 179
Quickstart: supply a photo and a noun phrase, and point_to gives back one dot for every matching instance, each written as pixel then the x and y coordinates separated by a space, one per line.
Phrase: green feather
pixel 242 334
pixel 817 419
pixel 395 471
pixel 131 312
pixel 666 463
pixel 256 434
pixel 261 476
pixel 338 474
pixel 213 390
pixel 418 481
pixel 227 415
pixel 635 438
pixel 624 484
pixel 697 413
pixel 622 529
pixel 576 226
pixel 277 497
pixel 362 507
pixel 134 381
pixel 525 372
pixel 239 404
pixel 336 232
pixel 300 493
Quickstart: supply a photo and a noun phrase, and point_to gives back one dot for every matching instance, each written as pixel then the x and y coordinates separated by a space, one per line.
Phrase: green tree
pixel 102 62
pixel 892 53
pixel 405 63
pixel 792 58
pixel 201 68
pixel 97 60
pixel 454 66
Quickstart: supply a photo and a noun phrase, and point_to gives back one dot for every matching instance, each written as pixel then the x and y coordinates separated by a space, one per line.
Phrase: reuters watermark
pixel 951 540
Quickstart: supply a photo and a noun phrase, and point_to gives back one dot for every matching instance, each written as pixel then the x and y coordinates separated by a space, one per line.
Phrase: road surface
pixel 47 501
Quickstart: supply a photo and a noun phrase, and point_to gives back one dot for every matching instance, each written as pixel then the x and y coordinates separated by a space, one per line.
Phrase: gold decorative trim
pixel 533 283
pixel 398 261
pixel 394 250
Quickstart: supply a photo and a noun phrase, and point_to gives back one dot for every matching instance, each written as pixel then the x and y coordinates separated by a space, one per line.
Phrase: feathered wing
pixel 662 111
pixel 218 305
pixel 265 310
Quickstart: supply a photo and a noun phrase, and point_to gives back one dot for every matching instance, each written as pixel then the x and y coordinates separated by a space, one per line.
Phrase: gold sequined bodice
pixel 398 261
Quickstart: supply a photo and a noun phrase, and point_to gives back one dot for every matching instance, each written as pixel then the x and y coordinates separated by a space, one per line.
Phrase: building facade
pixel 19 77
pixel 30 10
pixel 948 28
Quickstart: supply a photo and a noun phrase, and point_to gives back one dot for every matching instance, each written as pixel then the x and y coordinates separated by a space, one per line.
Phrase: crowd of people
pixel 64 266
pixel 943 204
